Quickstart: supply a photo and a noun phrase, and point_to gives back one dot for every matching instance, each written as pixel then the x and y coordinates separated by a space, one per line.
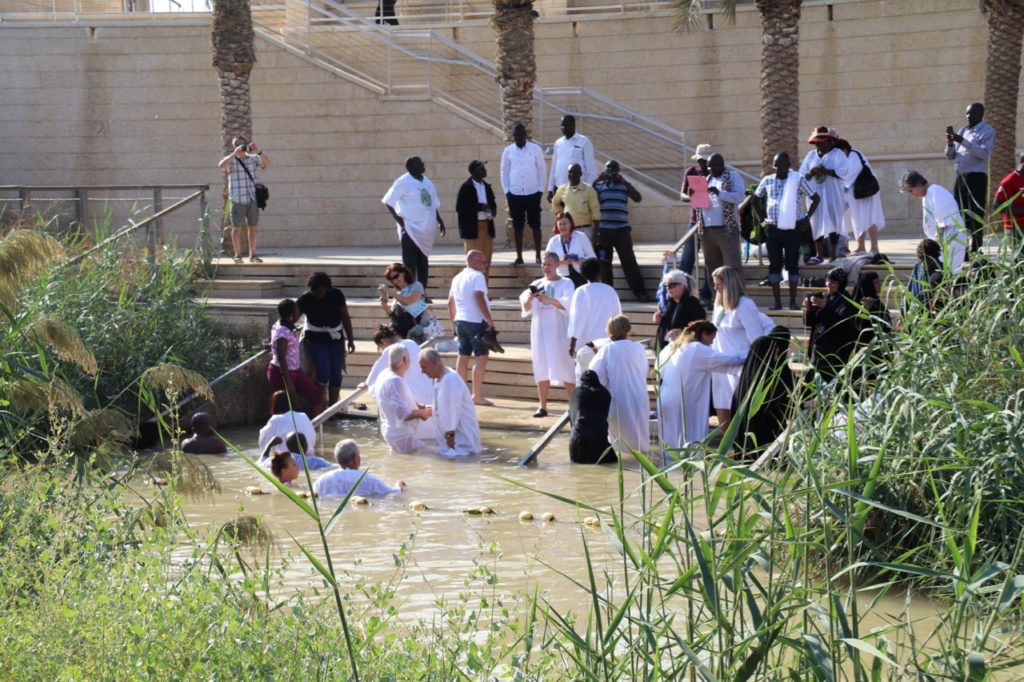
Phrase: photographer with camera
pixel 614 194
pixel 546 303
pixel 241 165
pixel 832 318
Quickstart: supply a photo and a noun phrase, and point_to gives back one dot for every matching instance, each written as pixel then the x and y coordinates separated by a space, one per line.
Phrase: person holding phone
pixel 241 166
pixel 546 303
pixel 970 149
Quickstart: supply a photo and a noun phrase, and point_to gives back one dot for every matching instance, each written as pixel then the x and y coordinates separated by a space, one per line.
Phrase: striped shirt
pixel 242 190
pixel 774 187
pixel 613 197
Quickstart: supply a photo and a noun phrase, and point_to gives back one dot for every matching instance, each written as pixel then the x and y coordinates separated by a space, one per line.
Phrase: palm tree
pixel 233 57
pixel 1002 79
pixel 516 68
pixel 780 69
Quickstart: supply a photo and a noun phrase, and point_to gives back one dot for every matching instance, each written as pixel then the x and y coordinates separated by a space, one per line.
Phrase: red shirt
pixel 1012 185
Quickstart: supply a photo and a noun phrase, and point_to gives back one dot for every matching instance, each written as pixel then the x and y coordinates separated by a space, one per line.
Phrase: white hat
pixel 703 152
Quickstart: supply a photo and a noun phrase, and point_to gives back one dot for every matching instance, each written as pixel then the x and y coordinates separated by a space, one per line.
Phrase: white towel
pixel 788 207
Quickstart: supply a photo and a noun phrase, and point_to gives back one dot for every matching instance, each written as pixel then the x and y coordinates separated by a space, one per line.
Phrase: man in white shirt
pixel 591 307
pixel 398 411
pixel 413 203
pixel 721 235
pixel 522 179
pixel 942 220
pixel 337 483
pixel 470 313
pixel 458 430
pixel 569 149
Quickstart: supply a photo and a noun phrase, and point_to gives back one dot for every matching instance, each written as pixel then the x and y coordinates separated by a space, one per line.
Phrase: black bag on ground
pixel 866 184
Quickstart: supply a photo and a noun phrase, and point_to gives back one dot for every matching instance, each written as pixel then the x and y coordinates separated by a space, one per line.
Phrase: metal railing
pixel 70 205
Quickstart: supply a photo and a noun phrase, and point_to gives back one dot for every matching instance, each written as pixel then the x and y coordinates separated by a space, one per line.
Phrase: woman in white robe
pixel 546 302
pixel 622 367
pixel 824 168
pixel 420 385
pixel 686 386
pixel 398 411
pixel 863 217
pixel 571 246
pixel 458 430
pixel 739 324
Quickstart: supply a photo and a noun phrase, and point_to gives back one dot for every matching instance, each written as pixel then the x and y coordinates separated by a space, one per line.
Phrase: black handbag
pixel 866 184
pixel 262 193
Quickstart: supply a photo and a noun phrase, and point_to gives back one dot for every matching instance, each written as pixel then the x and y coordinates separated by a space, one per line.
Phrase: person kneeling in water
pixel 205 441
pixel 337 483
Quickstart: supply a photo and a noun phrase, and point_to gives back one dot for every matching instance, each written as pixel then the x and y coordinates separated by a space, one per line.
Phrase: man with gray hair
pixel 942 220
pixel 398 411
pixel 458 430
pixel 338 482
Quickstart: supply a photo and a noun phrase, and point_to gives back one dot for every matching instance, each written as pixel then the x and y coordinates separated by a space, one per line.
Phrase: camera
pixel 536 289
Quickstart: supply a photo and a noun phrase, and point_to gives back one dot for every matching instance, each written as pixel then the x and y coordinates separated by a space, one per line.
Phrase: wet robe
pixel 588 414
pixel 454 411
pixel 396 403
pixel 622 368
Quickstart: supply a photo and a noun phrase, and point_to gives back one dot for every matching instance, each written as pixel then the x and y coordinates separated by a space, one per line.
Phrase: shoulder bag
pixel 262 193
pixel 866 184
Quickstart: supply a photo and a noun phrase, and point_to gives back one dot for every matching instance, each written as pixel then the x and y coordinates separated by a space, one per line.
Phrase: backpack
pixel 752 216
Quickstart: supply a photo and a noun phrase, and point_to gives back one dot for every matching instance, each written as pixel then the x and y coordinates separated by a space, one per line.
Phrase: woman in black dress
pixel 588 413
pixel 681 308
pixel 764 395
pixel 832 318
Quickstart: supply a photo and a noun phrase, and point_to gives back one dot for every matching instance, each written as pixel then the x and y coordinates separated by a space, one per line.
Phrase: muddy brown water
pixel 445 544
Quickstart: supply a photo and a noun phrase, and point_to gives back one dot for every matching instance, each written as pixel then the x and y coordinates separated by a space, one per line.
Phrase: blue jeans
pixel 328 360
pixel 466 333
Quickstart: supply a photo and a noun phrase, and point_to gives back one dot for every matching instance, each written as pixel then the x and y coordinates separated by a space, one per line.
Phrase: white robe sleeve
pixel 393 400
pixel 524 298
pixel 747 313
pixel 576 308
pixel 709 359
pixel 580 240
pixel 446 406
pixel 372 485
pixel 853 168
pixel 378 367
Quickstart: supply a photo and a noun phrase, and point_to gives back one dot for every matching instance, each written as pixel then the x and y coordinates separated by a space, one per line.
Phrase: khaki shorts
pixel 243 215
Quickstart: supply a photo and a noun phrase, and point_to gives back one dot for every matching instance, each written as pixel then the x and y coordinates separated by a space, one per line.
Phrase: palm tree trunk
pixel 780 79
pixel 1002 81
pixel 516 69
pixel 233 56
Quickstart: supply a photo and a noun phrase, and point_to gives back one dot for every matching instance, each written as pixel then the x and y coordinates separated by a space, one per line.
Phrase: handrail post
pixel 158 205
pixel 205 242
pixel 82 206
pixel 24 200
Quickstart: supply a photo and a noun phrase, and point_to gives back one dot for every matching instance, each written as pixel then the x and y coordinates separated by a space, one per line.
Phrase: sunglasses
pixel 673 285
pixel 392 278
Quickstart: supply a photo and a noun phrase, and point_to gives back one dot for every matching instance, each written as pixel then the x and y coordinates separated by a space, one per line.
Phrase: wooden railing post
pixel 158 224
pixel 82 206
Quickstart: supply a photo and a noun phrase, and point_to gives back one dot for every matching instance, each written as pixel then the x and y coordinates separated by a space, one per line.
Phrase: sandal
pixel 255 259
pixel 238 260
pixel 541 412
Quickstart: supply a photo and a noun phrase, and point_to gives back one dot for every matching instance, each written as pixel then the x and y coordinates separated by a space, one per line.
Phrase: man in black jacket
pixel 475 207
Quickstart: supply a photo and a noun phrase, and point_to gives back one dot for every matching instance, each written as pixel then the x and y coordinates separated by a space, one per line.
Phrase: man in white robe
pixel 398 411
pixel 413 203
pixel 941 219
pixel 824 168
pixel 622 367
pixel 458 430
pixel 420 385
pixel 546 302
pixel 592 305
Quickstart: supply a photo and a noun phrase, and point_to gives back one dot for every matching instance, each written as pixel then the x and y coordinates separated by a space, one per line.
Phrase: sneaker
pixel 238 260
pixel 255 259
pixel 541 412
pixel 518 261
pixel 813 260
pixel 538 260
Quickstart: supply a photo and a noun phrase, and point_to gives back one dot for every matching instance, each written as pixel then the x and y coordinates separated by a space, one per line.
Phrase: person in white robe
pixel 398 411
pixel 546 303
pixel 863 217
pixel 283 422
pixel 622 367
pixel 686 386
pixel 571 246
pixel 412 202
pixel 592 305
pixel 739 324
pixel 824 168
pixel 339 482
pixel 420 385
pixel 941 219
pixel 458 430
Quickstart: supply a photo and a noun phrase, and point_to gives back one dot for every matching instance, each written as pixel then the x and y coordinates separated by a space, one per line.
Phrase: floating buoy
pixel 547 517
pixel 591 521
pixel 485 510
pixel 475 511
pixel 159 481
pixel 418 506
pixel 355 499
pixel 526 516
pixel 305 494
pixel 254 490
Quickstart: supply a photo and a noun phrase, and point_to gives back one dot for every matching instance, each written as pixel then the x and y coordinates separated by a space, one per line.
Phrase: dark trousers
pixel 783 249
pixel 385 13
pixel 970 191
pixel 414 259
pixel 622 241
pixel 687 262
pixel 524 209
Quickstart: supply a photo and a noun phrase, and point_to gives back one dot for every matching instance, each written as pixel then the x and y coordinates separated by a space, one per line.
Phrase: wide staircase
pixel 247 295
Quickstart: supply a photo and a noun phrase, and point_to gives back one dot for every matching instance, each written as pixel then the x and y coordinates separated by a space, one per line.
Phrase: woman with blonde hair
pixel 621 366
pixel 681 306
pixel 739 324
pixel 686 386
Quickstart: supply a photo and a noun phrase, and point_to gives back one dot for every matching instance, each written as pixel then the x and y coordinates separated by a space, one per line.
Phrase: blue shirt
pixel 971 155
pixel 614 199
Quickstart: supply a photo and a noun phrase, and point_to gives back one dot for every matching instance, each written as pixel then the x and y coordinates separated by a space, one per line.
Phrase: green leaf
pixel 282 488
pixel 870 650
pixel 884 507
pixel 317 564
pixel 343 504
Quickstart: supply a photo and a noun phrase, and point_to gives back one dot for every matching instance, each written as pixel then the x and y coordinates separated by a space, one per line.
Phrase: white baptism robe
pixel 417 203
pixel 737 329
pixel 860 214
pixel 686 392
pixel 395 403
pixel 622 368
pixel 283 424
pixel 591 307
pixel 337 483
pixel 944 224
pixel 549 327
pixel 454 411
pixel 829 216
pixel 420 385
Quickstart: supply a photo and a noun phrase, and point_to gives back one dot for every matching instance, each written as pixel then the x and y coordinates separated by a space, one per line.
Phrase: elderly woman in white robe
pixel 546 303
pixel 824 168
pixel 398 411
pixel 622 367
pixel 420 386
pixel 458 430
pixel 686 386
